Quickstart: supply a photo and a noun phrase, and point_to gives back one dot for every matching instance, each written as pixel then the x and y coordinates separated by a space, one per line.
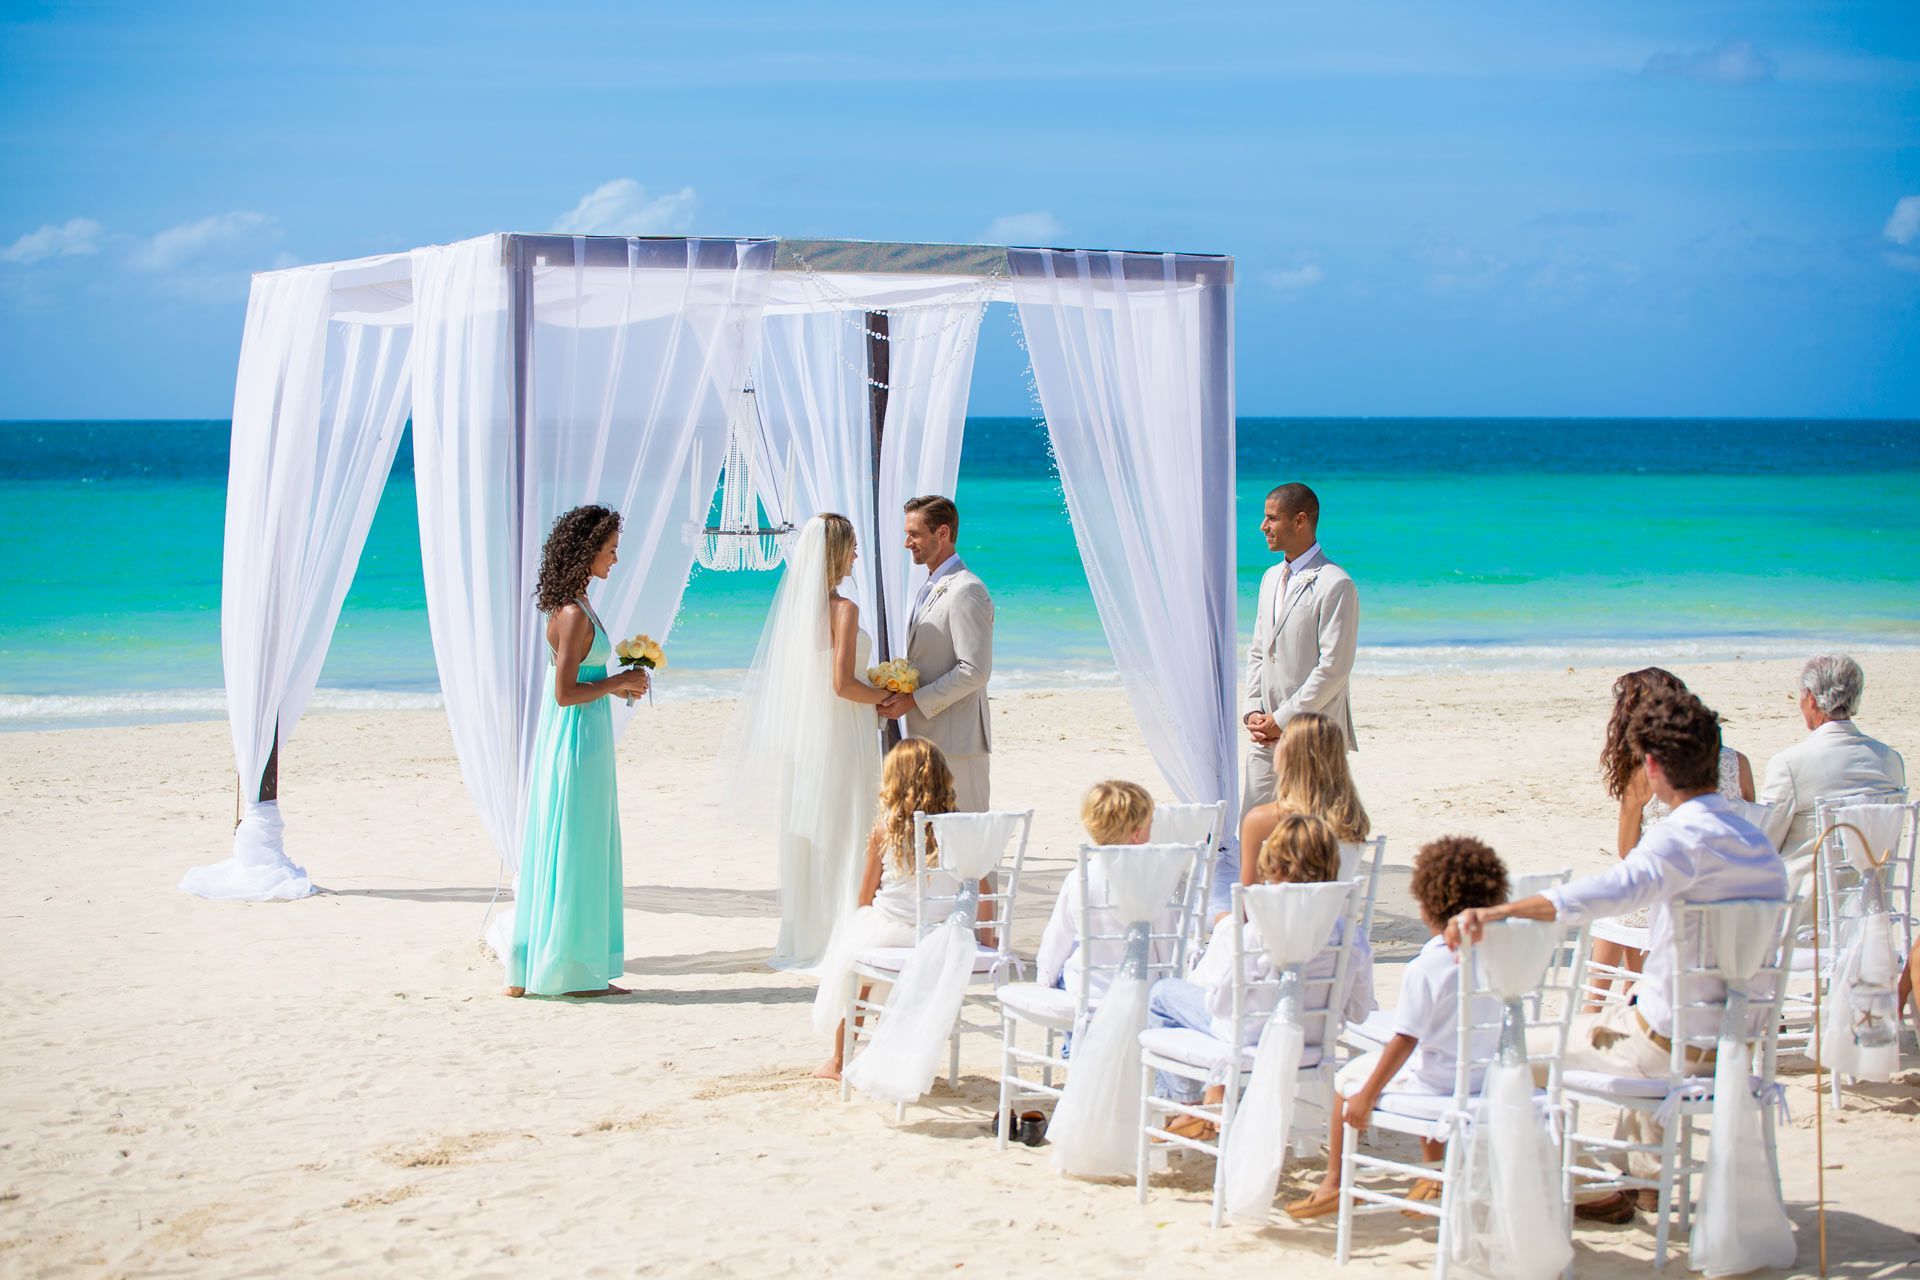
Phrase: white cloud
pixel 1037 227
pixel 1297 278
pixel 1904 226
pixel 1729 62
pixel 621 207
pixel 75 236
pixel 225 240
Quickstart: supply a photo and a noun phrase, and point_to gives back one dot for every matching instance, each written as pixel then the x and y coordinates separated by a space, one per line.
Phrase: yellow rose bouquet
pixel 895 676
pixel 641 651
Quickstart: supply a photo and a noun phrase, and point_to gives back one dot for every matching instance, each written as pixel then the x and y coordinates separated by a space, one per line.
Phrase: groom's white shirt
pixel 950 565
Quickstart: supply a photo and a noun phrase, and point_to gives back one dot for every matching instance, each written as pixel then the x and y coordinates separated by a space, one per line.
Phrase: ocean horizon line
pixel 22 713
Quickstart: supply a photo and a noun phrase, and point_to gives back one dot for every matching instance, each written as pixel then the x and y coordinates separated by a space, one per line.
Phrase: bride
pixel 806 738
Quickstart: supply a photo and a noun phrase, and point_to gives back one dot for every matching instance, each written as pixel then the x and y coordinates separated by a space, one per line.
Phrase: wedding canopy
pixel 544 371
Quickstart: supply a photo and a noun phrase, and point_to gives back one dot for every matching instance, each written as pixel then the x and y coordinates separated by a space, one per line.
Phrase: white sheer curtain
pixel 931 353
pixel 811 383
pixel 1133 359
pixel 633 363
pixel 318 409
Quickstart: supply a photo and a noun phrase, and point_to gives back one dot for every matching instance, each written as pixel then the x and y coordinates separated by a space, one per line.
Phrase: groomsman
pixel 1304 635
pixel 950 643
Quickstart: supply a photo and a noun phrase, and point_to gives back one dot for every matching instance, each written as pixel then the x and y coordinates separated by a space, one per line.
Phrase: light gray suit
pixel 1300 658
pixel 1834 760
pixel 950 643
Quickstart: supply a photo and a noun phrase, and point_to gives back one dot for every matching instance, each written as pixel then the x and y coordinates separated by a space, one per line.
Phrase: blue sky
pixel 1623 208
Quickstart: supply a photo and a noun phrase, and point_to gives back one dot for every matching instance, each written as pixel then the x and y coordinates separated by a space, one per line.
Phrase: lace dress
pixel 1655 811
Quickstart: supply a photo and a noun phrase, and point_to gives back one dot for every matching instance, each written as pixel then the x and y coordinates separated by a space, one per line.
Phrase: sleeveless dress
pixel 568 926
pixel 820 879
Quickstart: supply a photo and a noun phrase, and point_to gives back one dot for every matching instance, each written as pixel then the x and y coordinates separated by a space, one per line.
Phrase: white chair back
pixel 1322 1000
pixel 1699 993
pixel 1193 824
pixel 1360 862
pixel 937 892
pixel 1103 934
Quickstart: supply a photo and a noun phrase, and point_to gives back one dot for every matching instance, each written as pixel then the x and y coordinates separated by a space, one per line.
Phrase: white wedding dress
pixel 805 761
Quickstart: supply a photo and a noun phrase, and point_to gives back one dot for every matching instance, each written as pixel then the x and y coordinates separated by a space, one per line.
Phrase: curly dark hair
pixel 1456 872
pixel 1618 760
pixel 1683 734
pixel 567 560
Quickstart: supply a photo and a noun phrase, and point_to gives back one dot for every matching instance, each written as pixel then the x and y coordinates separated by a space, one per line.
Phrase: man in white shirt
pixel 1703 852
pixel 1834 759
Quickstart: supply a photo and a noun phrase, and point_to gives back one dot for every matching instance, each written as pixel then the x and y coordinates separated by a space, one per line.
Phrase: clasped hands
pixel 897 705
pixel 630 683
pixel 1262 728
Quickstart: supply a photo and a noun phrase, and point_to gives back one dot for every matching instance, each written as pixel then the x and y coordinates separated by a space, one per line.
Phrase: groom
pixel 950 642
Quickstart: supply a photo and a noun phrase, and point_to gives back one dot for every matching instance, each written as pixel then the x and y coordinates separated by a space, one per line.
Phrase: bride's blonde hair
pixel 914 777
pixel 839 532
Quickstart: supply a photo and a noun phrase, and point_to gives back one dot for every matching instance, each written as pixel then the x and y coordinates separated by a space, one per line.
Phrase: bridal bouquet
pixel 895 676
pixel 641 651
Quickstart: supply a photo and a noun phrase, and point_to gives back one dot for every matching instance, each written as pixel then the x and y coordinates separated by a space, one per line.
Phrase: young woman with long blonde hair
pixel 1310 776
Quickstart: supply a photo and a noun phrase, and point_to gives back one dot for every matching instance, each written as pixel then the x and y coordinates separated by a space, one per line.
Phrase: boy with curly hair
pixel 1450 875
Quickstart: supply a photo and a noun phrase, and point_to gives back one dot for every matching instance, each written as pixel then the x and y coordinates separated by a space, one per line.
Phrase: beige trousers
pixel 1259 785
pixel 972 784
pixel 1614 1041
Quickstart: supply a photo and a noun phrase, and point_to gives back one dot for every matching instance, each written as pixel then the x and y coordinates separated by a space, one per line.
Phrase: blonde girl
pixel 914 778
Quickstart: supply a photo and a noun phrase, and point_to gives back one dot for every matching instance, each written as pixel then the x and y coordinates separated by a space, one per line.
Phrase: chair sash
pixel 1510 1219
pixel 901 1059
pixel 1094 1127
pixel 1860 1038
pixel 1742 1224
pixel 1295 922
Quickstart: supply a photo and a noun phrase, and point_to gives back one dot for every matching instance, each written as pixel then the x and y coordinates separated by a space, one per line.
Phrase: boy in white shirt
pixel 1450 875
pixel 1113 813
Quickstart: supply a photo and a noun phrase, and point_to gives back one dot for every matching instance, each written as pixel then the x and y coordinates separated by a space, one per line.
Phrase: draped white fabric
pixel 931 372
pixel 1295 922
pixel 1864 941
pixel 900 1060
pixel 1510 1218
pixel 1095 1125
pixel 1741 1224
pixel 318 409
pixel 1133 359
pixel 631 371
pixel 812 387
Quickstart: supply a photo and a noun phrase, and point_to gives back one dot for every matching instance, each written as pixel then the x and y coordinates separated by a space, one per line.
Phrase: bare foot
pixel 516 992
pixel 1193 1127
pixel 828 1070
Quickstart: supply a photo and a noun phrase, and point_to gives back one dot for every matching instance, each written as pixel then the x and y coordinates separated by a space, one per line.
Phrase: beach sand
pixel 336 1085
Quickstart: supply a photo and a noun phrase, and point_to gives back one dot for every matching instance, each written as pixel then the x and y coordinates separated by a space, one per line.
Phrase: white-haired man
pixel 1834 759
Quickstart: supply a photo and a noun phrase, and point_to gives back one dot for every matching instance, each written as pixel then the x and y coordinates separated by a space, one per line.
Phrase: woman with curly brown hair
pixel 1621 944
pixel 568 935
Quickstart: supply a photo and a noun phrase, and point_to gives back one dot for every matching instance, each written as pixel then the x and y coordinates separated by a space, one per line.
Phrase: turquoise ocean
pixel 1480 543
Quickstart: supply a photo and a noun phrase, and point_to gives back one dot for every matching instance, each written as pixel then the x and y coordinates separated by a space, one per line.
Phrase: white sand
pixel 335 1085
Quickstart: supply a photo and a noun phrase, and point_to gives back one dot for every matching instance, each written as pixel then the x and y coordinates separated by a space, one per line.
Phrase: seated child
pixel 915 776
pixel 1113 813
pixel 1300 849
pixel 1450 875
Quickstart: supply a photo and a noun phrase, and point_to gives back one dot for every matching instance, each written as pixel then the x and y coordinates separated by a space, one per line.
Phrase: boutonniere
pixel 936 593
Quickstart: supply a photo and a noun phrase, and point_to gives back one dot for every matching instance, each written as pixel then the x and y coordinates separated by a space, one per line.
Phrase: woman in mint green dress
pixel 568 937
